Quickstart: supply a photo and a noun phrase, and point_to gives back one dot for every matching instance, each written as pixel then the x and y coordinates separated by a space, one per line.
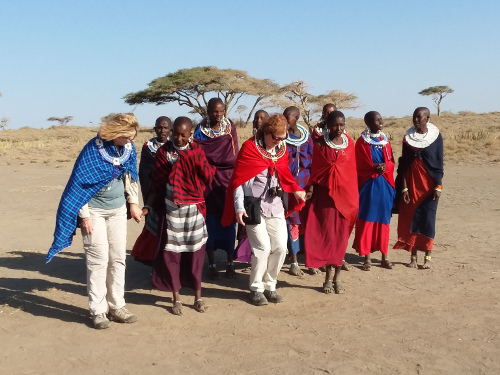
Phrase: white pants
pixel 105 252
pixel 269 246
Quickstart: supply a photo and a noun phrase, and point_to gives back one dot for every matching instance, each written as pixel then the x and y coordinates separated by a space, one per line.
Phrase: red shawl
pixel 340 178
pixel 250 163
pixel 364 163
pixel 188 175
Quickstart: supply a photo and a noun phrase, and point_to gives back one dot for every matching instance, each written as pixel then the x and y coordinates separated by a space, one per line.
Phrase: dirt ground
pixel 405 321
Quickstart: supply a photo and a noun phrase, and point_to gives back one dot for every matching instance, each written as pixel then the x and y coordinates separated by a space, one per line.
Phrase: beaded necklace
pixel 368 137
pixel 172 156
pixel 297 142
pixel 224 128
pixel 116 161
pixel 415 139
pixel 154 145
pixel 276 153
pixel 329 142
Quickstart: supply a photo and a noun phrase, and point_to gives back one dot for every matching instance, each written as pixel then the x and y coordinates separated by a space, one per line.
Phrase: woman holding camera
pixel 256 197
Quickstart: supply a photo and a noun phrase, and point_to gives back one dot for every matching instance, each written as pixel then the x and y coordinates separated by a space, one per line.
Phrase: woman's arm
pixel 132 196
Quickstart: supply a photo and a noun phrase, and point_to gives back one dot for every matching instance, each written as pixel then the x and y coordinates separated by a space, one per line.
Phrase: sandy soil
pixel 404 321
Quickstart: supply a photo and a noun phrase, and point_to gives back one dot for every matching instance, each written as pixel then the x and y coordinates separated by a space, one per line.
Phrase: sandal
pixel 387 264
pixel 295 270
pixel 328 287
pixel 366 266
pixel 338 288
pixel 177 308
pixel 200 306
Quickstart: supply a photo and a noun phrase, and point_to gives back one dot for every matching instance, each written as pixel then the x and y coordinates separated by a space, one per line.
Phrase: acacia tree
pixel 61 120
pixel 190 87
pixel 296 94
pixel 437 93
pixel 4 122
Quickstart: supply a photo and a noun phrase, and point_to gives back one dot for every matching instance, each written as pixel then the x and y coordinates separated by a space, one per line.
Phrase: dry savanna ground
pixel 404 321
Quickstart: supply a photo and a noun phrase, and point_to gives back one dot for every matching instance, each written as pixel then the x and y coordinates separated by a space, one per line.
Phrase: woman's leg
pixel 277 233
pixel 116 226
pixel 96 250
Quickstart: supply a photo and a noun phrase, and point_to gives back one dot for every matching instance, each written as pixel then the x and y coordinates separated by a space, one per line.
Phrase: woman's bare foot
pixel 427 263
pixel 177 308
pixel 387 264
pixel 295 270
pixel 413 263
pixel 366 266
pixel 328 287
pixel 338 288
pixel 200 306
pixel 345 266
pixel 313 271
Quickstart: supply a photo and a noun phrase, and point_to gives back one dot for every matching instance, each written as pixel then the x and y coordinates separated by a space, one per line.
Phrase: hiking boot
pixel 122 316
pixel 273 296
pixel 100 321
pixel 258 298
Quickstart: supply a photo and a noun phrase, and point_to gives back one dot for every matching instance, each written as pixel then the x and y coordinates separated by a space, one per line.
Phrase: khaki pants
pixel 269 247
pixel 105 252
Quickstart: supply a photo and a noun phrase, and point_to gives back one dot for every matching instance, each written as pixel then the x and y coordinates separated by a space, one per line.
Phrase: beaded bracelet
pixel 405 189
pixel 439 188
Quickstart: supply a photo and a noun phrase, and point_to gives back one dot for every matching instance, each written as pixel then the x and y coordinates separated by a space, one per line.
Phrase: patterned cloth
pixel 185 226
pixel 91 173
pixel 299 162
pixel 188 175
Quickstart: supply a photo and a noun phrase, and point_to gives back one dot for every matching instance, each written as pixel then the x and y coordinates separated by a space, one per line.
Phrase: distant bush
pixel 466 113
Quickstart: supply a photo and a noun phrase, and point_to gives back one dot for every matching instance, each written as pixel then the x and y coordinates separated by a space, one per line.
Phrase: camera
pixel 275 192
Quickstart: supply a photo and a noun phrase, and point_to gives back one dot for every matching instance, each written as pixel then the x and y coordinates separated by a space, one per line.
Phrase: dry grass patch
pixel 468 137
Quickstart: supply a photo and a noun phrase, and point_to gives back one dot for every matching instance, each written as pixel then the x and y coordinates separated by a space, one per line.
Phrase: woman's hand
pixel 300 195
pixel 437 194
pixel 380 167
pixel 87 225
pixel 406 197
pixel 239 217
pixel 135 212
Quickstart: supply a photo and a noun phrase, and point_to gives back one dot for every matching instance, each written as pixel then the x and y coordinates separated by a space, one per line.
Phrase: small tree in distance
pixel 437 93
pixel 61 120
pixel 4 122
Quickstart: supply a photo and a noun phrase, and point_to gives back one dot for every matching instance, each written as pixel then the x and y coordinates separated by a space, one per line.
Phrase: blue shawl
pixel 90 174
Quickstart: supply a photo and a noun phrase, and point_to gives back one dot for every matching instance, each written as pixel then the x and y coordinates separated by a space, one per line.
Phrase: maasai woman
pixel 180 175
pixel 144 247
pixel 218 139
pixel 419 182
pixel 332 194
pixel 375 166
pixel 262 175
pixel 300 148
pixel 104 178
pixel 316 133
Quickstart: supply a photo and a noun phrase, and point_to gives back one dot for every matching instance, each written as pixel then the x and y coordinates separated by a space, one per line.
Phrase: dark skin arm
pixel 405 195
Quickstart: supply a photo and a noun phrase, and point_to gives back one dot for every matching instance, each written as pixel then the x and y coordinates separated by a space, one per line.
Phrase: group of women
pixel 285 189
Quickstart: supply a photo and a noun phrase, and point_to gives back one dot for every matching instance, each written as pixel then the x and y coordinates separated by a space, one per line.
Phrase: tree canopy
pixel 190 87
pixel 61 120
pixel 437 93
pixel 296 94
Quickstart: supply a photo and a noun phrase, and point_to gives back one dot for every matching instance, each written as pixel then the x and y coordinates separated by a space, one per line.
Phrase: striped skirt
pixel 184 225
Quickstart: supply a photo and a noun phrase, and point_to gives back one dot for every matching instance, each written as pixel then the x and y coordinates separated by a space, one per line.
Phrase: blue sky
pixel 79 58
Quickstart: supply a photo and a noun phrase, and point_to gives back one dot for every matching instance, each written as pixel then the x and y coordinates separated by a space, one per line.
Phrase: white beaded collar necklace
pixel 329 142
pixel 415 139
pixel 116 161
pixel 304 134
pixel 368 138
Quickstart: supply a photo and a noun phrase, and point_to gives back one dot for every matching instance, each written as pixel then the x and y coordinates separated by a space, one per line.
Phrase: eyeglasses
pixel 279 139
